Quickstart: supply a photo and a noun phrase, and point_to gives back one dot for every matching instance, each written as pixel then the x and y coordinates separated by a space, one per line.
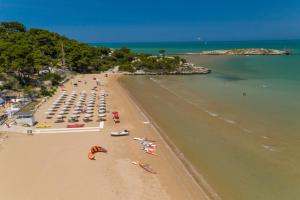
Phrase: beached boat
pixel 120 133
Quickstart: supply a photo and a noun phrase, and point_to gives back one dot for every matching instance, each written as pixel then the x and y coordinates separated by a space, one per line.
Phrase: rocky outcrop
pixel 252 51
pixel 183 70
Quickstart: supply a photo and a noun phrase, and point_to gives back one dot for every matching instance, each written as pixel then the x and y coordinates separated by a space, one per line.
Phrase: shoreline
pixel 196 177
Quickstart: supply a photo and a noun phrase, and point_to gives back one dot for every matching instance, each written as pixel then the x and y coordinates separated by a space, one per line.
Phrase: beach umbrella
pixel 76 112
pixel 102 111
pixel 77 109
pixel 89 111
pixel 59 116
pixel 88 115
pixel 102 115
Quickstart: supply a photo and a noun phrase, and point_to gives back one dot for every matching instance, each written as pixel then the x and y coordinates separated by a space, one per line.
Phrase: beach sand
pixel 55 166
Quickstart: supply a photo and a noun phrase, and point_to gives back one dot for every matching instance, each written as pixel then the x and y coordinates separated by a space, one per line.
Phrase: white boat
pixel 120 133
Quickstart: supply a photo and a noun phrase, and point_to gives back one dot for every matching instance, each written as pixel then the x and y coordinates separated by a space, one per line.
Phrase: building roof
pixel 24 114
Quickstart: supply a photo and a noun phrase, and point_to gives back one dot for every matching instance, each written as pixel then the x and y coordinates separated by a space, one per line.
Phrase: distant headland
pixel 246 51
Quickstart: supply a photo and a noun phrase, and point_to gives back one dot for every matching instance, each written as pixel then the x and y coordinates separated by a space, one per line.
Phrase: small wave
pixel 247 130
pixel 264 86
pixel 229 121
pixel 213 114
pixel 268 147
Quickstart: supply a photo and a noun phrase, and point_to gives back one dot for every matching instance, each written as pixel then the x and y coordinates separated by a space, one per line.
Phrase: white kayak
pixel 120 133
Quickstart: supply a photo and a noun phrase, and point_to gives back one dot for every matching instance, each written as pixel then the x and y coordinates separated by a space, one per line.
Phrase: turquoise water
pixel 238 126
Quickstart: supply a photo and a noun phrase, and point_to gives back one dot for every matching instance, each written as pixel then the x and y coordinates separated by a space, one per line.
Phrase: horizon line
pixel 201 41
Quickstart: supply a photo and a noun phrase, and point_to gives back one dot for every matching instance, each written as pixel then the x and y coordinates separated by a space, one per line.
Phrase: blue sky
pixel 159 20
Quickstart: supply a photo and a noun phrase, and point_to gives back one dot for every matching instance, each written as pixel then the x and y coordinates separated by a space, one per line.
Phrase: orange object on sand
pixel 91 156
pixel 96 149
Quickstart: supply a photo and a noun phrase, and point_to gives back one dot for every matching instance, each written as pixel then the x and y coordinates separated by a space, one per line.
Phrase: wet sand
pixel 55 166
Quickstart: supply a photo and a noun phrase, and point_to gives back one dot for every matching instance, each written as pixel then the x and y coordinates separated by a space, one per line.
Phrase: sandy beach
pixel 55 166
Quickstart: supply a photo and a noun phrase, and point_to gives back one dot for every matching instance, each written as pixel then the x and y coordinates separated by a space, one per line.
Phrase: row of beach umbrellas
pixel 102 105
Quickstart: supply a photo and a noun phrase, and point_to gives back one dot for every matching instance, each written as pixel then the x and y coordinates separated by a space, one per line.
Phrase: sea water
pixel 240 125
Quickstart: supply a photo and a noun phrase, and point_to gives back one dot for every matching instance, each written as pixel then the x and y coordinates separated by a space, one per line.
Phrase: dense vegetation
pixel 31 57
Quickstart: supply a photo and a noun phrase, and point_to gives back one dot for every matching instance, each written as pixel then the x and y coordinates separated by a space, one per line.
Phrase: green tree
pixel 12 26
pixel 162 52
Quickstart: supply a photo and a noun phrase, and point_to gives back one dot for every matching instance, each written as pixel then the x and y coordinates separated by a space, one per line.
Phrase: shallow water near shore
pixel 238 126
